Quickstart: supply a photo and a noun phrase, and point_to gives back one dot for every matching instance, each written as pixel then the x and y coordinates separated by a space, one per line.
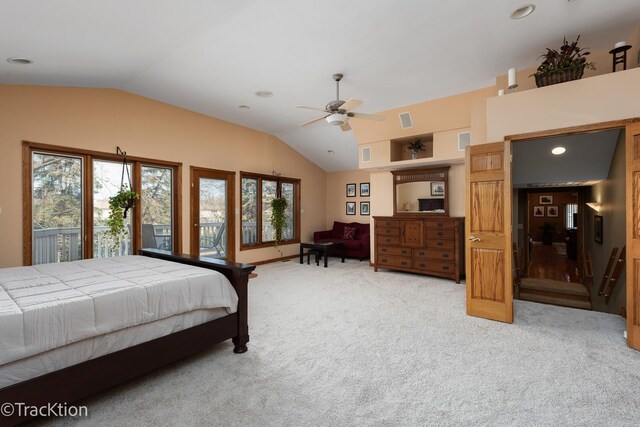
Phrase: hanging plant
pixel 119 205
pixel 278 219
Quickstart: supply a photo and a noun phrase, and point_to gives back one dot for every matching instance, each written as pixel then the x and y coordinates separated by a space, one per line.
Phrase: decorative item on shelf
pixel 278 215
pixel 619 54
pixel 500 92
pixel 564 65
pixel 119 205
pixel 512 82
pixel 415 147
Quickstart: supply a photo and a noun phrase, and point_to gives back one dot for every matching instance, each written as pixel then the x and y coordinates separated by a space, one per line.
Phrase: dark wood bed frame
pixel 79 381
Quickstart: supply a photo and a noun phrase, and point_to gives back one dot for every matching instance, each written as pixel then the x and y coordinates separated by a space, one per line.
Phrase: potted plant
pixel 119 204
pixel 278 219
pixel 414 147
pixel 564 65
pixel 548 231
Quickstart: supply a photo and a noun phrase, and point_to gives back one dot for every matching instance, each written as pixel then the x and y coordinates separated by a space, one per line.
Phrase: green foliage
pixel 569 56
pixel 415 146
pixel 119 204
pixel 278 218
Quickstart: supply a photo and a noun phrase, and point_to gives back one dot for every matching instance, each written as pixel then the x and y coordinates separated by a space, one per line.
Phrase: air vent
pixel 405 120
pixel 366 154
pixel 464 140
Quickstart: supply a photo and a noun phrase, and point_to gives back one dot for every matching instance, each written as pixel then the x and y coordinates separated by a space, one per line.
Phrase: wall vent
pixel 405 120
pixel 464 140
pixel 366 154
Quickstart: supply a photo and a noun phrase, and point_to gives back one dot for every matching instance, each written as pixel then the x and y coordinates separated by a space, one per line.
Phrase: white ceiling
pixel 587 159
pixel 211 56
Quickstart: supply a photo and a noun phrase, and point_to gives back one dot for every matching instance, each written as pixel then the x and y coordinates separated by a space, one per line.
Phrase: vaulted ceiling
pixel 212 56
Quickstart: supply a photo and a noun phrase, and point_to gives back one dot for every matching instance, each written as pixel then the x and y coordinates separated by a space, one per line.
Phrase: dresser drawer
pixel 394 250
pixel 439 234
pixel 388 240
pixel 434 254
pixel 444 225
pixel 435 266
pixel 393 261
pixel 387 223
pixel 386 231
pixel 440 244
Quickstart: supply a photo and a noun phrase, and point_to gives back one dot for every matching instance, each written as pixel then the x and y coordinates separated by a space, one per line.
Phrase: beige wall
pixel 612 96
pixel 611 195
pixel 100 119
pixel 337 197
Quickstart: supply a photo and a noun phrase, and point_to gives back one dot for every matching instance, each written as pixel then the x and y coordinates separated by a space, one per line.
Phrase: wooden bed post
pixel 240 282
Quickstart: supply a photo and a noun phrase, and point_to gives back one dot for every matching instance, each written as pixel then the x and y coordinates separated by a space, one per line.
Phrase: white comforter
pixel 51 305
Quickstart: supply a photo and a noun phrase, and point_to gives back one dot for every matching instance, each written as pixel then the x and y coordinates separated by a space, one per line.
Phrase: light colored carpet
pixel 347 346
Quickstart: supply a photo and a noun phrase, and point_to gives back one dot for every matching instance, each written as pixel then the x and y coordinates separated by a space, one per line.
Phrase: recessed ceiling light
pixel 19 61
pixel 558 150
pixel 331 152
pixel 523 11
pixel 264 93
pixel 244 107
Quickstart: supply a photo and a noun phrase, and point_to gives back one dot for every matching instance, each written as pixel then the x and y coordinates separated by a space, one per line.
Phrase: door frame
pixel 195 173
pixel 632 340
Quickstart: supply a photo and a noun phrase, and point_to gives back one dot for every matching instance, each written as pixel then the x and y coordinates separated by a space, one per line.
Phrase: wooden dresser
pixel 432 246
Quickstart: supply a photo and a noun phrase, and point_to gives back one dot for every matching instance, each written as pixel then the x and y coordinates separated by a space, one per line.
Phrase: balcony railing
pixel 65 243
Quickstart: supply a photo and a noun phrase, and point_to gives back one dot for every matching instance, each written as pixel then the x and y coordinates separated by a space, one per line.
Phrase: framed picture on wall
pixel 597 225
pixel 364 189
pixel 546 200
pixel 364 208
pixel 552 211
pixel 351 208
pixel 538 211
pixel 437 188
pixel 351 190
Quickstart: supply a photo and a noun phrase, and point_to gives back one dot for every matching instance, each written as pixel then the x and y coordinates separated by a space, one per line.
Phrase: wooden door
pixel 488 231
pixel 412 233
pixel 212 213
pixel 633 235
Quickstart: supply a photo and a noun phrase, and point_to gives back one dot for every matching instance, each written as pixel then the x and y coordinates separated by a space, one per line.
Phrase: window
pixel 257 193
pixel 572 214
pixel 67 204
pixel 56 208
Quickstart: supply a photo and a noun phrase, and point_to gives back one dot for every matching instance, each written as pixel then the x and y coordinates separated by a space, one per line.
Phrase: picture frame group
pixel 365 189
pixel 541 211
pixel 365 208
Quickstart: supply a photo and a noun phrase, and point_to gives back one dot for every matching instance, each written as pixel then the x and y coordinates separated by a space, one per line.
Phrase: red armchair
pixel 358 247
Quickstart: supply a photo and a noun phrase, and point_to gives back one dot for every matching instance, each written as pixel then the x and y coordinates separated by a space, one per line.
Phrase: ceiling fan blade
pixel 317 119
pixel 310 108
pixel 345 127
pixel 368 116
pixel 351 104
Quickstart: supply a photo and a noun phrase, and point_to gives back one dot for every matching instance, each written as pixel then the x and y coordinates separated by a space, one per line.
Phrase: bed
pixel 96 323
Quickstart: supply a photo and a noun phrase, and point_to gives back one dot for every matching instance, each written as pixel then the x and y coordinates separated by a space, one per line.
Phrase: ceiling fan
pixel 339 112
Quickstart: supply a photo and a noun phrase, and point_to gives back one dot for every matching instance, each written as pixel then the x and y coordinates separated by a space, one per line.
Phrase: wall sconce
pixel 595 206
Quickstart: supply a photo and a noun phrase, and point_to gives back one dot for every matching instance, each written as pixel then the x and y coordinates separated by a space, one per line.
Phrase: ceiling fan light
pixel 336 119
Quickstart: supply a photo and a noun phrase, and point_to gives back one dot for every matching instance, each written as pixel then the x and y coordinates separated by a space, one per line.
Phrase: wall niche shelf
pixel 399 152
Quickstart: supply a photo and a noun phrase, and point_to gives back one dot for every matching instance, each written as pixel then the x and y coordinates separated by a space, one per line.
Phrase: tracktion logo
pixel 21 409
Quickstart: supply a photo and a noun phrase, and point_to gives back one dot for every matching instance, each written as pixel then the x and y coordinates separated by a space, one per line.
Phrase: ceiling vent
pixel 405 120
pixel 464 140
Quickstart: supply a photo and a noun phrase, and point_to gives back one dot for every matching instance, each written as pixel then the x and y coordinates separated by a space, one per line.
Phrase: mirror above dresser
pixel 421 191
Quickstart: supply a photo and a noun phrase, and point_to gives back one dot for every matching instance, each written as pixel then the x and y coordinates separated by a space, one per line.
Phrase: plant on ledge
pixel 414 147
pixel 564 65
pixel 119 204
pixel 278 220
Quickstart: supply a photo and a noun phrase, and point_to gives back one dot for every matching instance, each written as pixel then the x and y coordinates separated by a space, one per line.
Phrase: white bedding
pixel 48 306
pixel 91 348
